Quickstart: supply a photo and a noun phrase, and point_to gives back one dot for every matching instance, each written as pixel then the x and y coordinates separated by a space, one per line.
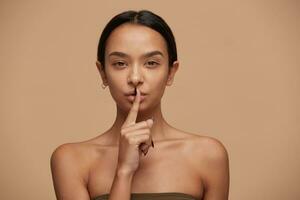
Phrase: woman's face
pixel 136 56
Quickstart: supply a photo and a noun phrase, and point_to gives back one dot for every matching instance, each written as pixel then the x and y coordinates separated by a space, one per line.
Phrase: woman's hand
pixel 135 138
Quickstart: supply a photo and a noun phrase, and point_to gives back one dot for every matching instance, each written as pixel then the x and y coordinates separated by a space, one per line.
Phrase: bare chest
pixel 160 170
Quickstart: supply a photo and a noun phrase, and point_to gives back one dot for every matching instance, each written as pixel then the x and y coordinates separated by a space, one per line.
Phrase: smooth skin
pixel 84 170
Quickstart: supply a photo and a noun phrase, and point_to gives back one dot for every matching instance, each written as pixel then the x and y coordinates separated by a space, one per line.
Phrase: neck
pixel 158 129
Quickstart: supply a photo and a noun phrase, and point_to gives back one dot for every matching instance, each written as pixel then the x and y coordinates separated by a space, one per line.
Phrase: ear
pixel 102 72
pixel 172 71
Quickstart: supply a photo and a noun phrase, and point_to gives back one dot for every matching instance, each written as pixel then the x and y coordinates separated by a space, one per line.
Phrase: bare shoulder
pixel 68 151
pixel 209 152
pixel 212 148
pixel 80 154
pixel 207 147
pixel 69 171
pixel 210 158
pixel 63 154
pixel 72 156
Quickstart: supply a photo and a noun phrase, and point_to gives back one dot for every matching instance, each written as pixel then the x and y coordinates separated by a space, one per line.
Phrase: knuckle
pixel 124 137
pixel 145 123
pixel 124 126
pixel 149 122
pixel 123 131
pixel 147 137
pixel 127 136
pixel 132 141
pixel 130 124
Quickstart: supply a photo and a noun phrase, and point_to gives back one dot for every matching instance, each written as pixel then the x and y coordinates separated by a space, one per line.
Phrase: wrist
pixel 122 172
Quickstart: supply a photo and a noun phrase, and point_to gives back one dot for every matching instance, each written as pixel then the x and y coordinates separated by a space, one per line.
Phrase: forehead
pixel 134 40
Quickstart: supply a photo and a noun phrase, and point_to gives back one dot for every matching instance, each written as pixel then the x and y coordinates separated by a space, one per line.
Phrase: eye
pixel 119 64
pixel 152 63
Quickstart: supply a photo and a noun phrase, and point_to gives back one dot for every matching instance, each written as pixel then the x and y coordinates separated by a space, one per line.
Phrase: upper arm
pixel 216 174
pixel 66 175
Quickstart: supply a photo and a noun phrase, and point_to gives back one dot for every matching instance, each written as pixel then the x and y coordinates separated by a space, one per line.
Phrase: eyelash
pixel 155 63
pixel 119 62
pixel 116 63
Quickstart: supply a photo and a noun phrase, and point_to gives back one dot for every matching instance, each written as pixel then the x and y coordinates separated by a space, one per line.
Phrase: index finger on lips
pixel 133 112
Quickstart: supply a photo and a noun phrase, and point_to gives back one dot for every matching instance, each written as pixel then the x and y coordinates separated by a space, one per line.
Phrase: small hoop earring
pixel 103 86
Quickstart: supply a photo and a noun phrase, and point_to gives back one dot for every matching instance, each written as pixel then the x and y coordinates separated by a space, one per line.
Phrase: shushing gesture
pixel 135 138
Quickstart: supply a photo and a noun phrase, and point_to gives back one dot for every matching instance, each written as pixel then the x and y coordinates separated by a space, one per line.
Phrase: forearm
pixel 121 186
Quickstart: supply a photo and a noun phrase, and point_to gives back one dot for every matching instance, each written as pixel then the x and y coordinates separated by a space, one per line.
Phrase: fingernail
pixel 152 143
pixel 145 152
pixel 150 122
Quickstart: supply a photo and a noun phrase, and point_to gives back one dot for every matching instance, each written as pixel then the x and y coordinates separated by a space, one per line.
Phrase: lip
pixel 131 97
pixel 133 92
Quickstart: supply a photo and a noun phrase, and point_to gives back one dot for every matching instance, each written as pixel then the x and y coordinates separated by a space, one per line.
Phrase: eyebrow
pixel 148 54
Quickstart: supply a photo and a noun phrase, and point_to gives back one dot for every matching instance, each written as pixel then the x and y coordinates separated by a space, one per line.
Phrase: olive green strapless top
pixel 154 196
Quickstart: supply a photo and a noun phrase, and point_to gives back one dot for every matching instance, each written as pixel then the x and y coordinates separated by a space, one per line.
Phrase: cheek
pixel 159 79
pixel 116 84
pixel 158 83
pixel 114 79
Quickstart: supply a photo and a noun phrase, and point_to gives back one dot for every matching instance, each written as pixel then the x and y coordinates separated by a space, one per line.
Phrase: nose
pixel 135 77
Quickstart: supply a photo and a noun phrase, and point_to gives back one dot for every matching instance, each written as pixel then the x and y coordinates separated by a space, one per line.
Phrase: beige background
pixel 238 81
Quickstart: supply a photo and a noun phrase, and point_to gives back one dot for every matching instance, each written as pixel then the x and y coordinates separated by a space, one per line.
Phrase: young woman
pixel 141 156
